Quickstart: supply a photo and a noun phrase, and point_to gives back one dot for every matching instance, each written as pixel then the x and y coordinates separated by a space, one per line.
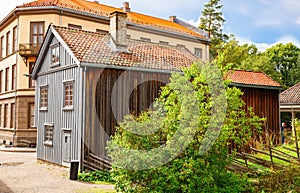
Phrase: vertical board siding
pixel 100 101
pixel 265 103
pixel 70 119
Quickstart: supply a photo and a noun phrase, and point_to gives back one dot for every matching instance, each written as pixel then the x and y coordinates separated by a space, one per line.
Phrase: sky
pixel 261 22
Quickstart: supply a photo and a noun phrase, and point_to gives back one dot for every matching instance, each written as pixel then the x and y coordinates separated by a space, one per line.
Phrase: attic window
pixel 145 39
pixel 55 55
pixel 103 32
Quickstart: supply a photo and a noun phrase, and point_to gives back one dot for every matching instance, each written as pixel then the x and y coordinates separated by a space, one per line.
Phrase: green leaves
pixel 187 118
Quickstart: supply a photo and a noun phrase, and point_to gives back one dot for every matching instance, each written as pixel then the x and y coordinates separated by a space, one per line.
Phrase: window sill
pixel 48 143
pixel 68 108
pixel 43 109
pixel 54 65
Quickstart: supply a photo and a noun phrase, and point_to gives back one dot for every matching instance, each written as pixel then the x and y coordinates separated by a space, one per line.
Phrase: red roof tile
pixel 104 10
pixel 252 78
pixel 291 95
pixel 92 47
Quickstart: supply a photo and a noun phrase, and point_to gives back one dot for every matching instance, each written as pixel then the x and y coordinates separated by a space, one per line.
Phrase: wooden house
pixel 87 81
pixel 262 94
pixel 22 32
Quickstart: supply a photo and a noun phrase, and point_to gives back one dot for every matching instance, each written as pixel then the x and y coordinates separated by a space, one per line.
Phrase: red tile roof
pixel 252 78
pixel 104 10
pixel 291 95
pixel 92 47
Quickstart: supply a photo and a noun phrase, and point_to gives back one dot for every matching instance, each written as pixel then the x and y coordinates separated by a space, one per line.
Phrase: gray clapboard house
pixel 86 82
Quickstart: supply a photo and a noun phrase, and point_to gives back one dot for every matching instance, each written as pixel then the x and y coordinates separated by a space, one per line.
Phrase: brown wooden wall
pixel 265 103
pixel 101 99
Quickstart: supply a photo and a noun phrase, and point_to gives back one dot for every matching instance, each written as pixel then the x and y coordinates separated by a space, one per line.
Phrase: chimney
pixel 126 7
pixel 172 18
pixel 118 40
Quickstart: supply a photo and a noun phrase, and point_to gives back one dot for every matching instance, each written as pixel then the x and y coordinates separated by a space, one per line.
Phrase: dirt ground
pixel 21 173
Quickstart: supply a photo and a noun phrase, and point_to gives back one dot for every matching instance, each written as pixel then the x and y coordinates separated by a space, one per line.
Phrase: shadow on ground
pixel 4 188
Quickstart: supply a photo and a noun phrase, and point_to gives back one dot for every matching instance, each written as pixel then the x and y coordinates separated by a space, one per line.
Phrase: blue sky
pixel 263 22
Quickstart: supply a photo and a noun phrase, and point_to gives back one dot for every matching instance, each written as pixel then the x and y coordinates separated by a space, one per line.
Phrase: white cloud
pixel 298 21
pixel 195 23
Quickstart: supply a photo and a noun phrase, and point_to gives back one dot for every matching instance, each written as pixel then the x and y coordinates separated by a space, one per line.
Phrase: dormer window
pixel 55 55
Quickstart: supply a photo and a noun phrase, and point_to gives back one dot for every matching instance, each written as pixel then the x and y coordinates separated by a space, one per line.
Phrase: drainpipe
pixel 15 82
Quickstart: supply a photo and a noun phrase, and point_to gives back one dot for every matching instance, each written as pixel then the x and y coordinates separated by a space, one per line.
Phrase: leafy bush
pixel 95 176
pixel 189 171
pixel 287 180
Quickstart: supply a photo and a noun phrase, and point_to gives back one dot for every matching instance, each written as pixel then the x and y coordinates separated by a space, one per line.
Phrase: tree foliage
pixel 189 171
pixel 285 57
pixel 212 22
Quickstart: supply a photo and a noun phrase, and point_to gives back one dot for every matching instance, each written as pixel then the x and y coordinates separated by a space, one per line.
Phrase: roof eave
pixel 117 67
pixel 255 86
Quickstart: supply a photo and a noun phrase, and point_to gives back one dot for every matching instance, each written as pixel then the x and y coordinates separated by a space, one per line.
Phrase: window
pixel 31 81
pixel 55 54
pixel 163 43
pixel 103 32
pixel 48 140
pixel 198 52
pixel 15 39
pixel 13 77
pixel 180 46
pixel 12 115
pixel 1 81
pixel 44 97
pixel 31 115
pixel 0 115
pixel 74 26
pixel 2 49
pixel 68 95
pixel 6 79
pixel 8 43
pixel 36 33
pixel 6 116
pixel 145 39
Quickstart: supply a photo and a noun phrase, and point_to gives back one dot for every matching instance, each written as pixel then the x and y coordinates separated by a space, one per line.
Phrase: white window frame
pixel 43 108
pixel 48 134
pixel 55 59
pixel 66 104
pixel 198 52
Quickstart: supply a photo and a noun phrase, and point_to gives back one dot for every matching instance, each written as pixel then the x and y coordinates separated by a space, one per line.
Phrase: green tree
pixel 285 57
pixel 212 21
pixel 190 171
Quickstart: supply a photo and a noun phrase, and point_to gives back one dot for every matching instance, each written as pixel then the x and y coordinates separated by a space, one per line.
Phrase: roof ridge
pixel 291 88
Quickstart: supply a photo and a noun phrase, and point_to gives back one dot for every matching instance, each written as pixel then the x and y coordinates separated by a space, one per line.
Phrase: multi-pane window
pixel 15 39
pixel 12 115
pixel 13 77
pixel 6 115
pixel 8 43
pixel 43 97
pixel 198 52
pixel 74 26
pixel 2 48
pixel 31 115
pixel 68 94
pixel 1 81
pixel 31 81
pixel 6 78
pixel 55 54
pixel 36 33
pixel 48 134
pixel 1 115
pixel 103 32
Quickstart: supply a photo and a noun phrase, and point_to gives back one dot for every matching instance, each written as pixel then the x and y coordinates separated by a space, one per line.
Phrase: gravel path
pixel 21 173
